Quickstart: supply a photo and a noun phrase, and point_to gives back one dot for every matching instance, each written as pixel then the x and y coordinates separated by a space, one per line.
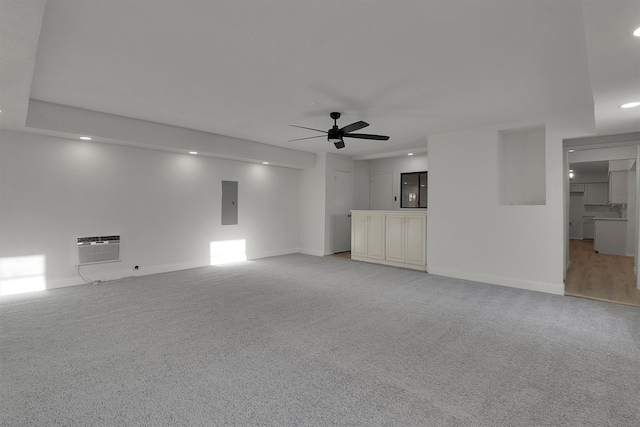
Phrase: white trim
pixel 390 263
pixel 267 254
pixel 106 276
pixel 550 288
pixel 313 252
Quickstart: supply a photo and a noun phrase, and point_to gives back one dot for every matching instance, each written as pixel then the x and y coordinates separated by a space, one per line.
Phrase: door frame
pixel 621 141
pixel 334 229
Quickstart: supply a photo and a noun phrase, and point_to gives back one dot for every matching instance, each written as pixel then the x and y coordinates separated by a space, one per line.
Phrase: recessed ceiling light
pixel 637 32
pixel 193 152
pixel 630 104
pixel 85 138
pixel 409 154
pixel 571 151
pixel 570 170
pixel 265 163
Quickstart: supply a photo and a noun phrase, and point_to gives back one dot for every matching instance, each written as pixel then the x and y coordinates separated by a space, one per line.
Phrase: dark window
pixel 413 188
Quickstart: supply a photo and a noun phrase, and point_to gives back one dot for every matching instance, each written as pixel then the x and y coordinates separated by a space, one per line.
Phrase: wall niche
pixel 522 166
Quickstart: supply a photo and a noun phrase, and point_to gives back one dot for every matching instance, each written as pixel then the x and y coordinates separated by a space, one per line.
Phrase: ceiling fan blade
pixel 309 137
pixel 302 127
pixel 366 136
pixel 354 126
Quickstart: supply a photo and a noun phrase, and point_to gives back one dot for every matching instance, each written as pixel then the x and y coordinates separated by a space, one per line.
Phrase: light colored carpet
pixel 299 340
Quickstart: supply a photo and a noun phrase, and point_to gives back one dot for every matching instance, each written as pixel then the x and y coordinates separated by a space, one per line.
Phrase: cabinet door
pixel 596 194
pixel 376 236
pixel 359 235
pixel 395 238
pixel 415 240
pixel 618 181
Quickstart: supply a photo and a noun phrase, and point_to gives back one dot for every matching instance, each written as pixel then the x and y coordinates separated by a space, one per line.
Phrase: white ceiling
pixel 587 168
pixel 249 69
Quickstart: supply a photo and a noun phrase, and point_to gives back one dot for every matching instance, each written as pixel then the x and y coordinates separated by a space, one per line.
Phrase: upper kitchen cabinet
pixel 618 186
pixel 619 180
pixel 596 194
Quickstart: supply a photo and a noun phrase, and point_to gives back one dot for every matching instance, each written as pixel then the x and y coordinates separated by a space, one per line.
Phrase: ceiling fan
pixel 336 134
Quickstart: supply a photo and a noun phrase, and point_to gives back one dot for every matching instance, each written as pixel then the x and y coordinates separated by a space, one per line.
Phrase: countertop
pixel 609 219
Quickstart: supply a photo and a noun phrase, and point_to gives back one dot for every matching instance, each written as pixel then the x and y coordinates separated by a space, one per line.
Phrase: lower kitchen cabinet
pixel 403 237
pixel 367 235
pixel 610 236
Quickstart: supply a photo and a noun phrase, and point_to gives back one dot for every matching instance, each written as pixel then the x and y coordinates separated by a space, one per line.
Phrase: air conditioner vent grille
pixel 98 249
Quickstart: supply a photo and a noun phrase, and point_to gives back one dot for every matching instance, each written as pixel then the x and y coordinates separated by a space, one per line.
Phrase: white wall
pixel 312 195
pixel 397 165
pixel 361 177
pixel 166 206
pixel 471 236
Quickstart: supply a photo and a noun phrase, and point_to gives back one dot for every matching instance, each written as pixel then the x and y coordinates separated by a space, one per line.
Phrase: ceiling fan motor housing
pixel 333 135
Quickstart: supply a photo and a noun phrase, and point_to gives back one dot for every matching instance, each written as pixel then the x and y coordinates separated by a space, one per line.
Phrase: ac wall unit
pixel 97 249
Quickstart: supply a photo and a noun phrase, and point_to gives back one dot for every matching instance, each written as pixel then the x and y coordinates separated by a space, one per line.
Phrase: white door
pixel 381 195
pixel 341 212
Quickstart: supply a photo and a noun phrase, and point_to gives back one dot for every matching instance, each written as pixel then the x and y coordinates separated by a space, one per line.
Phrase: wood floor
pixel 601 277
pixel 592 275
pixel 344 255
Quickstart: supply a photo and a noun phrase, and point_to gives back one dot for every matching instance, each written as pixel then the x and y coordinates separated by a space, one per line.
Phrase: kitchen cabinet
pixel 610 236
pixel 588 232
pixel 618 182
pixel 395 238
pixel 596 193
pixel 406 238
pixel 367 235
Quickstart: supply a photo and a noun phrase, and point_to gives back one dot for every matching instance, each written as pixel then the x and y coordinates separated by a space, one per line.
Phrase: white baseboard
pixel 267 254
pixel 530 285
pixel 313 252
pixel 106 276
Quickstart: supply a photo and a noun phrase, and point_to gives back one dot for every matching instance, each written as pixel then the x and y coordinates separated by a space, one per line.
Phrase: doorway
pixel 595 270
pixel 341 214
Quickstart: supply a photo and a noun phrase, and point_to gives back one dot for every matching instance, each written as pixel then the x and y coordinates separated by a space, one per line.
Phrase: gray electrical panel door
pixel 229 202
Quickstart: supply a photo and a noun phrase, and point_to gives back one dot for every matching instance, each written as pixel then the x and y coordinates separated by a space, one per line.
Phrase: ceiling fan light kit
pixel 335 135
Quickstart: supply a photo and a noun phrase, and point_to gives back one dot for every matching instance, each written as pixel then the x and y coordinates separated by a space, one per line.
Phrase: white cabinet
pixel 610 236
pixel 367 235
pixel 618 181
pixel 406 238
pixel 596 194
pixel 390 237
